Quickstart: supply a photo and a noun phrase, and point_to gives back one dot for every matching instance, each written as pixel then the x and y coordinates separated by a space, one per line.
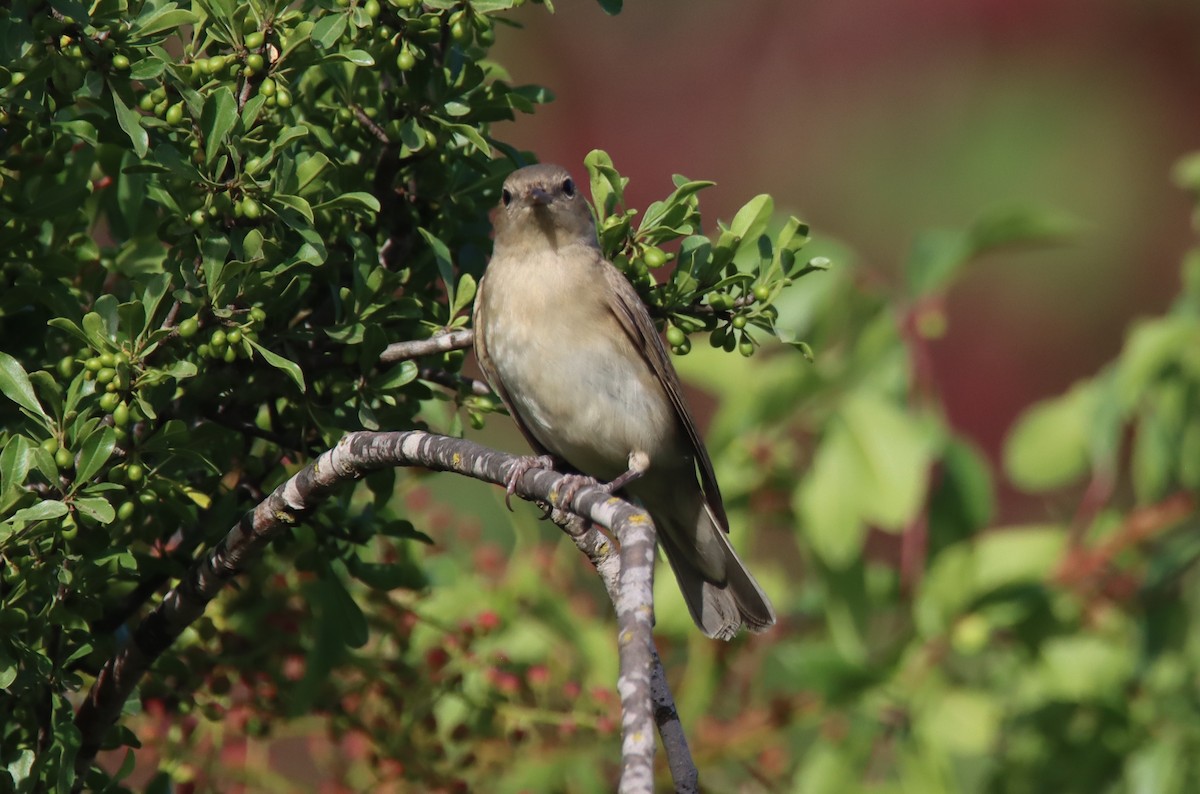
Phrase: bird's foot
pixel 571 485
pixel 517 471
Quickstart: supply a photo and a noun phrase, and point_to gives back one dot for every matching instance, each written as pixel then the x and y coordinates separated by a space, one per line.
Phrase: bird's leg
pixel 524 464
pixel 638 463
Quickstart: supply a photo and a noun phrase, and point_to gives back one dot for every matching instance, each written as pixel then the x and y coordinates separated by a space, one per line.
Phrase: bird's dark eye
pixel 568 187
pixel 506 196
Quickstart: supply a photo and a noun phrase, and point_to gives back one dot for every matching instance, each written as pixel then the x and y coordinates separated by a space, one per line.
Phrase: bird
pixel 570 349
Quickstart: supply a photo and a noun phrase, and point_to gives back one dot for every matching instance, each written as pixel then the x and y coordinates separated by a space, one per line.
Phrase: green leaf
pixel 64 324
pixel 279 362
pixel 352 199
pixel 15 461
pixel 1049 445
pixel 217 119
pixel 445 265
pixel 465 294
pixel 356 57
pixel 15 384
pixel 214 251
pixel 872 467
pixel 1150 349
pixel 156 289
pixel 158 18
pixel 468 134
pixel 752 219
pixel 295 211
pixel 824 502
pixel 328 30
pixel 893 454
pixel 97 448
pixel 608 187
pixel 308 168
pixel 131 121
pixel 49 508
pixel 611 7
pixel 402 374
pixel 97 508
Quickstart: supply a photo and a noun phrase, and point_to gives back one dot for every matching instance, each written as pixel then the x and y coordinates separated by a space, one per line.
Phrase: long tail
pixel 721 594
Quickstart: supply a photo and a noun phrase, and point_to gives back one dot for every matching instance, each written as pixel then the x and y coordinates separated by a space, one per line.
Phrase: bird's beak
pixel 539 197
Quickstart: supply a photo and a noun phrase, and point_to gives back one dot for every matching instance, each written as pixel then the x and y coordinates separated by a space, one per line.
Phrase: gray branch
pixel 354 456
pixel 458 339
pixel 600 551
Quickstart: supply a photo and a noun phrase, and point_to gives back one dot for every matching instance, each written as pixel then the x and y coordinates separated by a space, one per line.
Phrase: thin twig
pixel 453 381
pixel 458 339
pixel 371 126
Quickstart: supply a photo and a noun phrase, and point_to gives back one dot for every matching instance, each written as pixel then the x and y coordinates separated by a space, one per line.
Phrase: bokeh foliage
pixel 214 216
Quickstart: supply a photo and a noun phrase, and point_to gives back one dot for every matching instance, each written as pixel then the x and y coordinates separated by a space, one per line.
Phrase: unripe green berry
pixel 654 257
pixel 253 40
pixel 189 327
pixel 63 459
pixel 675 336
pixel 66 366
pixel 109 401
pixel 218 339
pixel 251 209
pixel 761 293
pixel 120 62
pixel 739 322
pixel 126 510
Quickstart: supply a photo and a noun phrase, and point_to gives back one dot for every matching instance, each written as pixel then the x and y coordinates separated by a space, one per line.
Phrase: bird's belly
pixel 590 405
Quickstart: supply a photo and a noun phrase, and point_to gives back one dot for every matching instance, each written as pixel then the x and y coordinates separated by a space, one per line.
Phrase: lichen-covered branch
pixel 607 562
pixel 354 456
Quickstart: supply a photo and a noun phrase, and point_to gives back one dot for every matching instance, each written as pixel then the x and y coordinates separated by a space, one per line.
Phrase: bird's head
pixel 540 205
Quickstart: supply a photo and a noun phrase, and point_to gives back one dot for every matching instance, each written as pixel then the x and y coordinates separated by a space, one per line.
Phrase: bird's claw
pixel 517 471
pixel 572 483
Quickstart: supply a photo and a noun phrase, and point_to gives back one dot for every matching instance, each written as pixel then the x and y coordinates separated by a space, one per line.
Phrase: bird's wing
pixel 633 318
pixel 479 324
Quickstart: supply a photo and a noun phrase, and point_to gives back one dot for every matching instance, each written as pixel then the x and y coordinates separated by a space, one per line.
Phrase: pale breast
pixel 570 371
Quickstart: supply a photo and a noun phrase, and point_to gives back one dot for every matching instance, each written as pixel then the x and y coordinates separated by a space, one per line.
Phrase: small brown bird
pixel 569 347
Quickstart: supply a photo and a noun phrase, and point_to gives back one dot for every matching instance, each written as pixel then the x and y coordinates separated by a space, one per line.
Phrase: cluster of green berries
pixel 227 343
